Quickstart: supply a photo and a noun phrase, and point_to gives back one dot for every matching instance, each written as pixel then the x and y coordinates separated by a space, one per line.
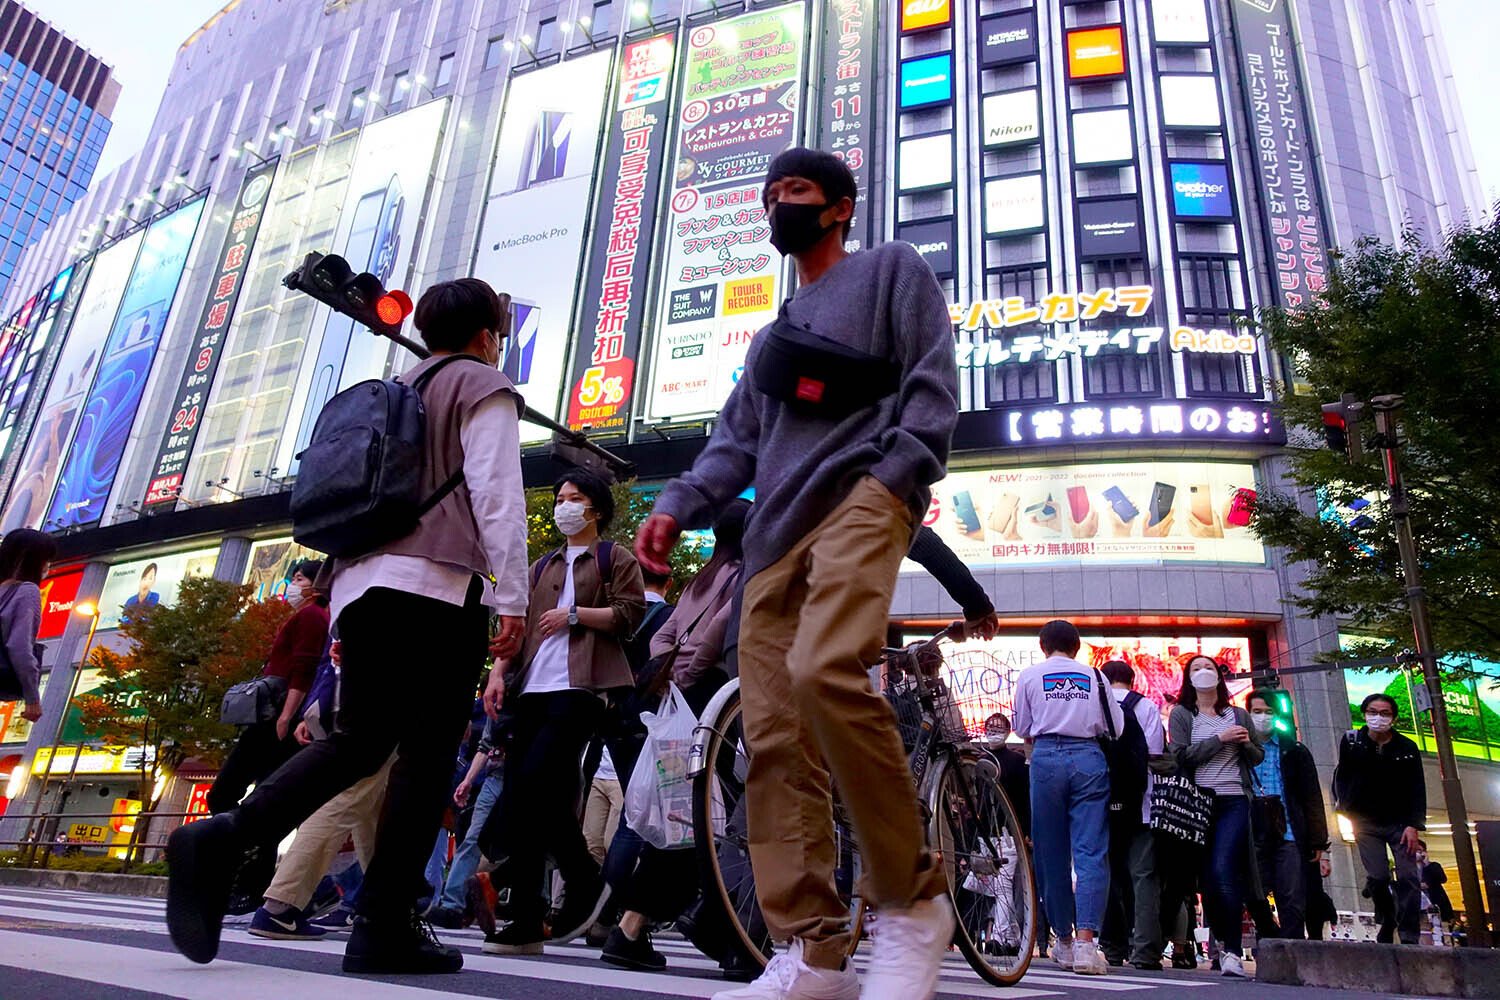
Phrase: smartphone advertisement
pixel 722 278
pixel 531 241
pixel 1098 514
pixel 104 425
pixel 31 490
pixel 377 227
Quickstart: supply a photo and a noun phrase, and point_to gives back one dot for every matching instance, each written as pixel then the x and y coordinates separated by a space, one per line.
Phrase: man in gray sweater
pixel 841 421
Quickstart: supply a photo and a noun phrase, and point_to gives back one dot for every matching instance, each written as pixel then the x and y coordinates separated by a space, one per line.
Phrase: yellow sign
pixel 749 295
pixel 86 833
pixel 107 760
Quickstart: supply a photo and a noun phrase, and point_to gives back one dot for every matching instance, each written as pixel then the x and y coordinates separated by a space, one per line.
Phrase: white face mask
pixel 1378 723
pixel 1205 678
pixel 570 517
pixel 1262 721
pixel 295 594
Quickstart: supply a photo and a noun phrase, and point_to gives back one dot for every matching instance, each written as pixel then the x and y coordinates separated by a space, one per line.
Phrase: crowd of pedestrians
pixel 840 423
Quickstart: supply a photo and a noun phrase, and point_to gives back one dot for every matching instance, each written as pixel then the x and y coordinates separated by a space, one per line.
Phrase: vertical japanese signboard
pixel 847 116
pixel 1284 154
pixel 207 347
pixel 740 106
pixel 615 290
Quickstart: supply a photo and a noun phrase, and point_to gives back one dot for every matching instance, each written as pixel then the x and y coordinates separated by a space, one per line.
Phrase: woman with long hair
pixel 1212 742
pixel 24 557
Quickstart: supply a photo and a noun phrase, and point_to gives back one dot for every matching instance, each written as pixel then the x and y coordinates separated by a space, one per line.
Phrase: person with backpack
pixel 586 598
pixel 1062 708
pixel 413 616
pixel 1132 917
pixel 1212 742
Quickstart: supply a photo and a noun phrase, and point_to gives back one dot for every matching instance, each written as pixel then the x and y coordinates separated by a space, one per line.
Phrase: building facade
pixel 55 103
pixel 1104 189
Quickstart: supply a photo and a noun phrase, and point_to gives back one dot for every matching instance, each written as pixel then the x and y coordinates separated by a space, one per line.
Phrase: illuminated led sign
pixel 1096 53
pixel 1166 420
pixel 1007 38
pixel 922 15
pixel 1103 137
pixel 1189 100
pixel 926 81
pixel 1014 205
pixel 925 162
pixel 1201 191
pixel 1011 117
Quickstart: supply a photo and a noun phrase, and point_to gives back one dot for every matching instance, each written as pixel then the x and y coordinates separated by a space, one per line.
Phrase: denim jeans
pixel 466 858
pixel 433 872
pixel 1224 865
pixel 1070 828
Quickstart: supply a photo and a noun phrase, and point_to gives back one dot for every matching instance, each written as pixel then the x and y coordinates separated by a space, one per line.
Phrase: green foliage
pixel 1421 321
pixel 84 863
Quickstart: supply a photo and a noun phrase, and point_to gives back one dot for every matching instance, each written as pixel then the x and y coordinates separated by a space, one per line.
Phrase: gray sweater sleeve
pixel 916 445
pixel 724 468
pixel 20 620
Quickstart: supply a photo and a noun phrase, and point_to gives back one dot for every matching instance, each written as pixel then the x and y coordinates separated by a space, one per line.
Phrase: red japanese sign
pixel 58 596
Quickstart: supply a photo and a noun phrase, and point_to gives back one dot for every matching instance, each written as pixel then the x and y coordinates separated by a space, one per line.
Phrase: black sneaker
pixel 1146 966
pixel 737 967
pixel 627 954
pixel 395 948
pixel 325 900
pixel 442 916
pixel 598 934
pixel 581 906
pixel 514 940
pixel 202 859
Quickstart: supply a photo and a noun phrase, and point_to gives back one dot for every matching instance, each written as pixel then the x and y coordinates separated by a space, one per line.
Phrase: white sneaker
pixel 1088 960
pixel 1231 965
pixel 787 977
pixel 909 950
pixel 1062 954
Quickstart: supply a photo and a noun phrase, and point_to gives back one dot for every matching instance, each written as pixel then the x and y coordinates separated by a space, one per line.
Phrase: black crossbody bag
pixel 818 377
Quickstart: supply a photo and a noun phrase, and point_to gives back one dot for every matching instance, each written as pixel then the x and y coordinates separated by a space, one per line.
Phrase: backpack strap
pixel 1109 719
pixel 541 566
pixel 1133 699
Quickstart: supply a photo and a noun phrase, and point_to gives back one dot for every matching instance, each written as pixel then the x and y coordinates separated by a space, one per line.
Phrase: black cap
pixel 824 169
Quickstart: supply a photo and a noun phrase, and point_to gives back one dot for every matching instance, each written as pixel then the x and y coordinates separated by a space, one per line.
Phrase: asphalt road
pixel 81 946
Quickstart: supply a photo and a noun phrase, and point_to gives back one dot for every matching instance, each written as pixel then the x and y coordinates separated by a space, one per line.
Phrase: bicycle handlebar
pixel 956 631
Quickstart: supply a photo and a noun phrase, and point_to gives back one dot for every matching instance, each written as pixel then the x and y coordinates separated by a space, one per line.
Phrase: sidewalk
pixel 1384 968
pixel 152 886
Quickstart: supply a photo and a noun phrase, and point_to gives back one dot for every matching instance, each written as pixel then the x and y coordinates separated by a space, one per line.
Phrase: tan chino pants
pixel 813 624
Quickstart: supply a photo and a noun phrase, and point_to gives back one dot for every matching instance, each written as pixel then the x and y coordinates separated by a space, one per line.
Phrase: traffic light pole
pixel 1387 410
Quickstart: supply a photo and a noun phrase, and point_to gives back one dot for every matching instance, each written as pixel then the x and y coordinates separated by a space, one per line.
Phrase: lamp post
pixel 91 610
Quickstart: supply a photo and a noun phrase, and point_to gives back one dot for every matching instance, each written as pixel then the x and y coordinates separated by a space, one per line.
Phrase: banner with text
pixel 846 124
pixel 207 348
pixel 739 108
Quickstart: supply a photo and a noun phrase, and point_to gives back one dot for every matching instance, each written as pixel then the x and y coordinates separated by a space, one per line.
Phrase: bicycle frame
pixel 696 764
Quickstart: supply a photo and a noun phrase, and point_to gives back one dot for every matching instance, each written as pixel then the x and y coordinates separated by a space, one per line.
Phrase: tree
pixel 1423 321
pixel 164 692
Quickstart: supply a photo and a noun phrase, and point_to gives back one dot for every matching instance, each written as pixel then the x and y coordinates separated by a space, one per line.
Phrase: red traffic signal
pixel 393 307
pixel 1341 430
pixel 362 297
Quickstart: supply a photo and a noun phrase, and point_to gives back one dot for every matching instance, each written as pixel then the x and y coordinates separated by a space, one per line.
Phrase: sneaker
pixel 638 954
pixel 598 934
pixel 444 917
pixel 1231 965
pixel 202 859
pixel 289 925
pixel 1088 960
pixel 326 898
pixel 514 940
pixel 909 949
pixel 737 967
pixel 787 977
pixel 341 919
pixel 1062 954
pixel 395 948
pixel 580 909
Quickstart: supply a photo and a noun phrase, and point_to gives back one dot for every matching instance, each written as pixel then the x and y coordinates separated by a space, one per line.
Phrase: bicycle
pixel 970 822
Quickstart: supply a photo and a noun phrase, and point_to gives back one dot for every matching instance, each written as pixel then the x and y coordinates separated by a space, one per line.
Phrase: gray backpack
pixel 359 485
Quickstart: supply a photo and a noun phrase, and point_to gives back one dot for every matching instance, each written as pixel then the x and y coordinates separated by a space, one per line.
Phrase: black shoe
pixel 442 916
pixel 395 948
pixel 1146 966
pixel 638 954
pixel 326 899
pixel 598 934
pixel 202 859
pixel 1184 962
pixel 515 940
pixel 737 968
pixel 581 906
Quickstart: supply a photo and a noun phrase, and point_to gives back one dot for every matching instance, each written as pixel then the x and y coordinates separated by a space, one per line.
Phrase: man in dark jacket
pixel 1379 785
pixel 1290 826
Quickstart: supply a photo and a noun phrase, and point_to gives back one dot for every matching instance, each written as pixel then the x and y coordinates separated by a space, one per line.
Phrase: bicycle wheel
pixel 984 855
pixel 721 838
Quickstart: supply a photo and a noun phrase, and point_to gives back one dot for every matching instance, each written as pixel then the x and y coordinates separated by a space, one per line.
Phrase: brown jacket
pixel 596 659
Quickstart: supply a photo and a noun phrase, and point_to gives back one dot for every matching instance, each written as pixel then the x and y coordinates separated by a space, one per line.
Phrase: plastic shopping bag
pixel 659 800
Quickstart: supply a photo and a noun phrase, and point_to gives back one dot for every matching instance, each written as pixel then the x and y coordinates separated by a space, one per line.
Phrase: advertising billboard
pixel 924 162
pixel 846 125
pixel 925 15
pixel 1014 205
pixel 270 565
pixel 59 593
pixel 1189 100
pixel 1201 191
pixel 1179 22
pixel 1011 117
pixel 1103 137
pixel 104 426
pixel 532 236
pixel 149 582
pixel 206 350
pixel 1007 38
pixel 1110 227
pixel 722 278
pixel 615 287
pixel 1099 513
pixel 936 241
pixel 1096 53
pixel 376 231
pixel 1168 420
pixel 31 490
pixel 1471 694
pixel 926 81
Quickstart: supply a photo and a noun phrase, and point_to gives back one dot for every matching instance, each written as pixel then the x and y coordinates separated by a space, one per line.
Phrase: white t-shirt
pixel 606 770
pixel 1060 697
pixel 549 666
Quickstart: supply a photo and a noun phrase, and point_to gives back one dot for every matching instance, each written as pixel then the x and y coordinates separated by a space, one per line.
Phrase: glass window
pixel 315 118
pixel 356 102
pixel 546 34
pixel 400 84
pixel 445 71
pixel 604 17
pixel 494 52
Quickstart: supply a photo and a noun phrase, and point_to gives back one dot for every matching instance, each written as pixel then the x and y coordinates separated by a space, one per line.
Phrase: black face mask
pixel 795 228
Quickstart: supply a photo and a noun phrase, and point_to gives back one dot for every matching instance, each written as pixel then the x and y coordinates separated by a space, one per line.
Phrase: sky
pixel 139 38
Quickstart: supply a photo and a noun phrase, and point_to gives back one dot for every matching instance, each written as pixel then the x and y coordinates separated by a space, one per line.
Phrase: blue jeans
pixel 433 873
pixel 1070 816
pixel 466 858
pixel 1224 863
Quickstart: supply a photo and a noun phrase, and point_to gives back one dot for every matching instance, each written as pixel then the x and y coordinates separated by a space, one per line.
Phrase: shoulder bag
pixel 1180 809
pixel 655 676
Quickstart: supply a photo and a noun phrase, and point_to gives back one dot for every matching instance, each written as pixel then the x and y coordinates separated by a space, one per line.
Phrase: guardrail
pixel 35 850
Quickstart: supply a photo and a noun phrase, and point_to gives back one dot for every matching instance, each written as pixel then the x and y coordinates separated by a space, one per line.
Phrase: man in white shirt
pixel 1132 916
pixel 413 619
pixel 1060 708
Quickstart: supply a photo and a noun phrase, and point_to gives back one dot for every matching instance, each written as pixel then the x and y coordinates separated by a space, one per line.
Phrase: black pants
pixel 1403 915
pixel 1281 871
pixel 255 756
pixel 538 811
pixel 400 651
pixel 1178 866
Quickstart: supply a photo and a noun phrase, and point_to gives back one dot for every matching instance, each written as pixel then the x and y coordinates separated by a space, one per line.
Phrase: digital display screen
pixel 1007 38
pixel 1011 117
pixel 1109 227
pixel 935 241
pixel 926 81
pixel 1179 22
pixel 1096 53
pixel 1014 205
pixel 925 162
pixel 1189 101
pixel 921 15
pixel 1201 191
pixel 1102 137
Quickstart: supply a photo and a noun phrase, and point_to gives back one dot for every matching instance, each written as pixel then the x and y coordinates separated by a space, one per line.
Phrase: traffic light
pixel 1341 426
pixel 1286 720
pixel 329 279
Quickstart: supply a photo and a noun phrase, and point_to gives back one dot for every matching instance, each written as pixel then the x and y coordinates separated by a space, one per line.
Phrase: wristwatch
pixel 573 615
